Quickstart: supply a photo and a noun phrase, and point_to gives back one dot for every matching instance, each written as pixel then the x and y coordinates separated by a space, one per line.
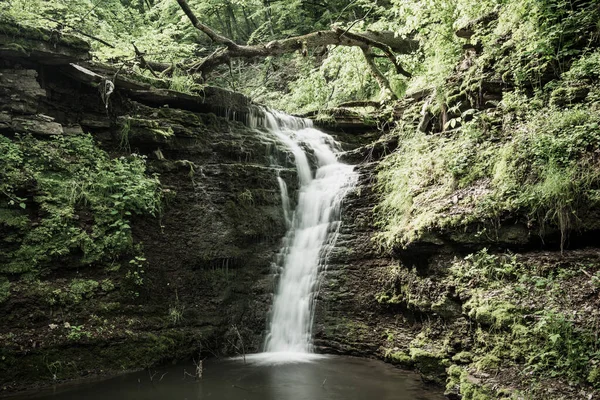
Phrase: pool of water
pixel 326 377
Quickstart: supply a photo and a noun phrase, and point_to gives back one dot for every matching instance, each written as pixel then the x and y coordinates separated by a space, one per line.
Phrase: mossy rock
pixel 499 314
pixel 432 366
pixel 399 358
pixel 462 385
pixel 14 30
pixel 565 95
pixel 487 362
pixel 18 41
pixel 446 308
pixel 464 357
pixel 107 356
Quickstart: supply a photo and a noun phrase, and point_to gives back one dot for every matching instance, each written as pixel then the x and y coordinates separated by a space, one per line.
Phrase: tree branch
pixel 384 84
pixel 374 43
pixel 385 41
pixel 214 36
pixel 87 35
pixel 143 62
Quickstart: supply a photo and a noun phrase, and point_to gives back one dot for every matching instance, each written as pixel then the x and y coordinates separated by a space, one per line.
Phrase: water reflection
pixel 331 378
pixel 295 382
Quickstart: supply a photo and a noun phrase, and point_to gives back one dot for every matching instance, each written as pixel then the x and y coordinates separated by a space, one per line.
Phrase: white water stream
pixel 313 228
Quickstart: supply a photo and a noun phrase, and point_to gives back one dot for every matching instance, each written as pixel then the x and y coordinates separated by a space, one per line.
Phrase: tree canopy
pixel 302 55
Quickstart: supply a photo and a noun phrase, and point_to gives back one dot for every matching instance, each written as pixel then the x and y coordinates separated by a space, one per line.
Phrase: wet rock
pixel 37 126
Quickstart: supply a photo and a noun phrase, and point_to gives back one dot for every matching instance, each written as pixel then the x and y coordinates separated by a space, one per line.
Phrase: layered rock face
pixel 199 278
pixel 491 292
pixel 466 311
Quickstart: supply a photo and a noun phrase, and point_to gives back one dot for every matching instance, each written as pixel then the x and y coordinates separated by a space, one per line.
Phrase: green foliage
pixel 433 23
pixel 182 82
pixel 107 285
pixel 543 167
pixel 482 267
pixel 135 275
pixel 418 178
pixel 541 334
pixel 585 67
pixel 542 38
pixel 78 201
pixel 77 332
pixel 545 35
pixel 341 77
pixel 74 293
pixel 562 348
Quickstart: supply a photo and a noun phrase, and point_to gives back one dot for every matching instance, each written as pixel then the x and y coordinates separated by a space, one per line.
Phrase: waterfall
pixel 313 228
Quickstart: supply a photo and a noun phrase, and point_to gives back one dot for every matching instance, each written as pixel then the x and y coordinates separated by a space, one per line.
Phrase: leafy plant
pixel 83 201
pixel 77 332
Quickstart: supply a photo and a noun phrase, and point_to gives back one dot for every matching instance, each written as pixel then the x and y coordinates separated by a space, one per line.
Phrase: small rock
pixel 72 130
pixel 25 125
pixel 46 118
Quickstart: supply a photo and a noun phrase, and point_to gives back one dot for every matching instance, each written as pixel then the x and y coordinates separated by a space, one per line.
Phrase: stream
pixel 331 378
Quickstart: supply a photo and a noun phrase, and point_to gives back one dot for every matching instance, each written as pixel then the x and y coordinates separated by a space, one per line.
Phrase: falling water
pixel 312 232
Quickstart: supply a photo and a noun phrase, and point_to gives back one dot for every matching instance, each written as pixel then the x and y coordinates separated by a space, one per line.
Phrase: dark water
pixel 331 378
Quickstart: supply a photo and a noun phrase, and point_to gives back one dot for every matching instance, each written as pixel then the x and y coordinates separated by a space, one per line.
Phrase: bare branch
pixel 214 36
pixel 366 41
pixel 384 84
pixel 87 35
pixel 374 43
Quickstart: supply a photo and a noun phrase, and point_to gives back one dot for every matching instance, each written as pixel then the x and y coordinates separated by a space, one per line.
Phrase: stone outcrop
pixel 208 256
pixel 489 307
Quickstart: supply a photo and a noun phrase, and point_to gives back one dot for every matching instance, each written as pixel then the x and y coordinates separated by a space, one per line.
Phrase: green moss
pixel 387 298
pixel 107 285
pixel 488 362
pixel 4 289
pixel 464 357
pixel 399 358
pixel 82 288
pixel 459 382
pixel 15 31
pixel 109 307
pixel 492 312
pixel 471 391
pixel 453 382
pixel 431 365
pixel 446 308
pixel 75 292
